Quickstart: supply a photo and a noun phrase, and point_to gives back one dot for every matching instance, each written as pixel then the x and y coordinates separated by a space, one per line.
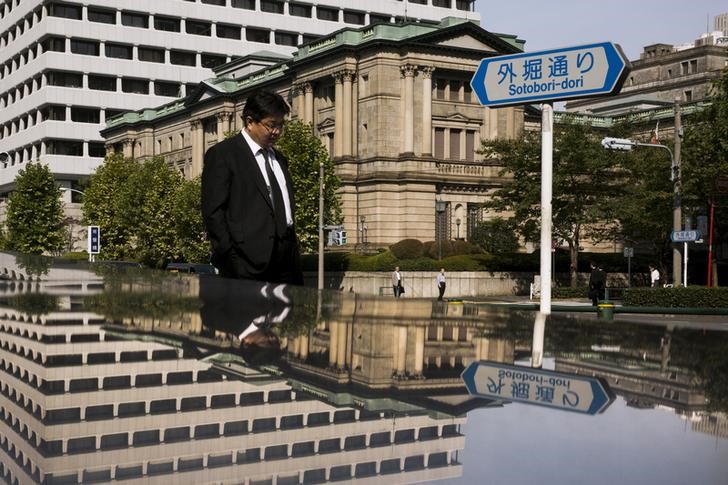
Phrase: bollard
pixel 605 311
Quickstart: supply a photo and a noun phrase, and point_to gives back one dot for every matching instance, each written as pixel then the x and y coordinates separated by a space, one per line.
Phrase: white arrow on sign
pixel 572 72
pixel 589 395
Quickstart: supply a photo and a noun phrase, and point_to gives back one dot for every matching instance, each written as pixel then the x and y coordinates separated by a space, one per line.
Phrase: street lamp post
pixel 440 208
pixel 457 225
pixel 627 144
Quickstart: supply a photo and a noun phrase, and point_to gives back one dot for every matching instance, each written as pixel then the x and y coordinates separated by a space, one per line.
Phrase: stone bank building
pixel 391 102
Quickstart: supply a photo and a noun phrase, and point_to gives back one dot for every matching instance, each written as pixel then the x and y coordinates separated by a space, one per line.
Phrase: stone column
pixel 300 101
pixel 308 102
pixel 338 113
pixel 129 147
pixel 333 343
pixel 419 350
pixel 408 73
pixel 427 110
pixel 198 149
pixel 223 124
pixel 347 77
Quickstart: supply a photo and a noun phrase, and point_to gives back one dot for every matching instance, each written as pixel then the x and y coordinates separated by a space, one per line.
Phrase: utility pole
pixel 321 229
pixel 676 211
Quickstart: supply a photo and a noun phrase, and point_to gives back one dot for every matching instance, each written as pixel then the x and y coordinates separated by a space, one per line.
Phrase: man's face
pixel 266 131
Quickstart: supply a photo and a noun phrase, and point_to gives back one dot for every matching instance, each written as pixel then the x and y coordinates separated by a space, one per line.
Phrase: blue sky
pixel 631 23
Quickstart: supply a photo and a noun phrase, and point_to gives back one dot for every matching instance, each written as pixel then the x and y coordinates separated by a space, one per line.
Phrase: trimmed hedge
pixel 565 292
pixel 408 249
pixel 681 297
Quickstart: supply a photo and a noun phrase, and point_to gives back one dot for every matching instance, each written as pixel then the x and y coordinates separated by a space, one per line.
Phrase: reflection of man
pixel 247 198
pixel 597 282
pixel 248 310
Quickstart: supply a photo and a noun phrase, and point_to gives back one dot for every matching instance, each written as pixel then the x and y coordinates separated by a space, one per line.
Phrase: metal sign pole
pixel 685 264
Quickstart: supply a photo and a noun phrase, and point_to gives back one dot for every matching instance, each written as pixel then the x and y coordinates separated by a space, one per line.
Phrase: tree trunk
pixel 573 263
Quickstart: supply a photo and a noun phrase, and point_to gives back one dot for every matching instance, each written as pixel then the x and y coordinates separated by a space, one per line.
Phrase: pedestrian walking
pixel 397 285
pixel 441 283
pixel 654 277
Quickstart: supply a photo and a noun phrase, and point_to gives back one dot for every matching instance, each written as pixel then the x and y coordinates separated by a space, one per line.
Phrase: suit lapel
pixel 250 168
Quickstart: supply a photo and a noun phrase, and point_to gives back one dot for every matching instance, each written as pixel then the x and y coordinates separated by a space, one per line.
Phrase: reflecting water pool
pixel 113 373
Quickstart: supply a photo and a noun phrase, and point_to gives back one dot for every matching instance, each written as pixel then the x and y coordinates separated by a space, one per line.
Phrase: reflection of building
pixel 66 67
pixel 397 344
pixel 82 402
pixel 393 105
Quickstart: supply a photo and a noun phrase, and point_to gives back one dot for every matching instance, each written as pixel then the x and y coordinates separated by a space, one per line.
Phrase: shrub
pixel 464 247
pixel 407 249
pixel 439 249
pixel 682 297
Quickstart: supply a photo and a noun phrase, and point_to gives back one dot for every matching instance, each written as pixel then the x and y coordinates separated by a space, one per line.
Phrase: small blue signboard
pixel 685 236
pixel 569 392
pixel 94 240
pixel 571 72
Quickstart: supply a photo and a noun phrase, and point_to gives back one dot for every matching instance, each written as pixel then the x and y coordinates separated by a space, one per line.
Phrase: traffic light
pixel 340 237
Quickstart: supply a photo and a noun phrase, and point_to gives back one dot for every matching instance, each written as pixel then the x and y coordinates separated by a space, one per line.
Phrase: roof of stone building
pixel 420 33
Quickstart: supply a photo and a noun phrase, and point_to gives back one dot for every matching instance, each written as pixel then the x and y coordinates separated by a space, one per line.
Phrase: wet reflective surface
pixel 114 373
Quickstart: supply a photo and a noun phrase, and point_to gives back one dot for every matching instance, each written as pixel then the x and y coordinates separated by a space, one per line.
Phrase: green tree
pixel 147 212
pixel 35 212
pixel 704 157
pixel 495 236
pixel 585 185
pixel 111 202
pixel 305 154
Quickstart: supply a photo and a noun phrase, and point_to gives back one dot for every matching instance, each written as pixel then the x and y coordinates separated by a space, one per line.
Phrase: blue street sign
pixel 570 392
pixel 94 240
pixel 685 236
pixel 571 72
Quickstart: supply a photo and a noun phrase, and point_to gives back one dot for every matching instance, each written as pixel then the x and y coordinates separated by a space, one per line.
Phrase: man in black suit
pixel 247 198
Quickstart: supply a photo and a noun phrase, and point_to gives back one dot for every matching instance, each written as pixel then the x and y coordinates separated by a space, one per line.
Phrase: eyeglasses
pixel 272 127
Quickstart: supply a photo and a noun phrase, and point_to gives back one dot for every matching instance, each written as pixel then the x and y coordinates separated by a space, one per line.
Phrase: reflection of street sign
pixel 572 72
pixel 559 390
pixel 628 252
pixel 685 236
pixel 94 240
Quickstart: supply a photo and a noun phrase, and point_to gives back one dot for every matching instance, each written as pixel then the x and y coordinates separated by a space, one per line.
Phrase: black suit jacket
pixel 236 208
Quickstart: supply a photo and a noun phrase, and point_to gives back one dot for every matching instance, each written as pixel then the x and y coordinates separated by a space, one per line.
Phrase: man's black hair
pixel 261 104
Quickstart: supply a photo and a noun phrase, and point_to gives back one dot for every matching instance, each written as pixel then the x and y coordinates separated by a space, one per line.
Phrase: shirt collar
pixel 254 147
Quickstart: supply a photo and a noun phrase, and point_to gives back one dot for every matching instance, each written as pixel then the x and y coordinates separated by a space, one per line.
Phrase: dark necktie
pixel 274 190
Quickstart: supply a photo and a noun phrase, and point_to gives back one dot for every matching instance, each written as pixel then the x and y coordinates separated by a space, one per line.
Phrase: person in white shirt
pixel 397 282
pixel 654 277
pixel 441 283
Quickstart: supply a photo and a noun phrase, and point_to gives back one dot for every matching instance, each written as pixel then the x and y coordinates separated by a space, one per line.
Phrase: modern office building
pixel 66 67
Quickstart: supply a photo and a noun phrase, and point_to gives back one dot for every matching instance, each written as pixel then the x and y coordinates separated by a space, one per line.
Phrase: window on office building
pixel 53 44
pixel 167 24
pixel 220 3
pixel 421 2
pixel 65 11
pixel 182 58
pixel 73 148
pixel 101 15
pixel 323 13
pixel 257 35
pixel 469 148
pixel 135 86
pixel 375 18
pixel 85 115
pixel 65 79
pixel 271 6
pixel 226 31
pixel 132 19
pixel 286 38
pixel 310 38
pixel 96 149
pixel 442 3
pixel 246 4
pixel 118 51
pixel 299 10
pixel 101 83
pixel 85 47
pixel 162 88
pixel 211 60
pixel 151 54
pixel 356 18
pixel 53 112
pixel 455 144
pixel 198 27
pixel 439 143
